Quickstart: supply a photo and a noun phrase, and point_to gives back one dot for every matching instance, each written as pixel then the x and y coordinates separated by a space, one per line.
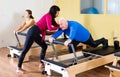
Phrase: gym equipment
pixel 15 51
pixel 71 64
pixel 115 67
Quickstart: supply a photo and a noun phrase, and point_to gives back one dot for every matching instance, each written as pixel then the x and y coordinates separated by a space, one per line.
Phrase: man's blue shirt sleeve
pixel 57 34
pixel 73 30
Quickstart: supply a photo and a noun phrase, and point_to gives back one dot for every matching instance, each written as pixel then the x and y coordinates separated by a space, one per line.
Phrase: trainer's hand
pixel 51 39
pixel 67 42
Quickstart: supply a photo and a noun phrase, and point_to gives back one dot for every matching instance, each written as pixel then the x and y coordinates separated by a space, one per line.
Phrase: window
pixel 113 6
pixel 91 7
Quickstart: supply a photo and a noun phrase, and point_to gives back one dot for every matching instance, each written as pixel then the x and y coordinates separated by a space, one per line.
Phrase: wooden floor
pixel 8 67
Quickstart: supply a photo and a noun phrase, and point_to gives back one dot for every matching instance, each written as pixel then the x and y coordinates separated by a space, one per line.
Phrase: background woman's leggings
pixel 33 35
pixel 89 42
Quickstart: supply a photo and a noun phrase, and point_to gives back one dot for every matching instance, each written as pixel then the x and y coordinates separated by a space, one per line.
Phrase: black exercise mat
pixel 101 51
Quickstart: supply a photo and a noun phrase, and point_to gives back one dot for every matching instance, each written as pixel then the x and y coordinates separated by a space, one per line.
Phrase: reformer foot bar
pixel 114 68
pixel 71 45
pixel 62 65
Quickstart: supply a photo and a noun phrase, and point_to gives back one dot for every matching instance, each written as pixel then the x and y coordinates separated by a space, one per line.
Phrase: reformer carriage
pixel 69 65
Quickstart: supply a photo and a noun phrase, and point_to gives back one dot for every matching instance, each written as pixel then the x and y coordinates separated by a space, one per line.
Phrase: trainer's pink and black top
pixel 45 23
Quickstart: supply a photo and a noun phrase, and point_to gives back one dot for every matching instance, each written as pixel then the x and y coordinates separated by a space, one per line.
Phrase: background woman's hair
pixel 53 10
pixel 29 12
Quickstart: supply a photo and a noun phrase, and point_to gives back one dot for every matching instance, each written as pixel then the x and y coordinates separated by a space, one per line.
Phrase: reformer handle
pixel 71 45
pixel 58 42
pixel 17 39
pixel 21 33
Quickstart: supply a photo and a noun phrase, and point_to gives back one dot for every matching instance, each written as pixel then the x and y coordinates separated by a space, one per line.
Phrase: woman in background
pixel 27 23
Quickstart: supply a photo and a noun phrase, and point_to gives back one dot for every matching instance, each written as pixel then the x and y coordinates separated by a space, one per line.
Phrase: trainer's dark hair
pixel 29 12
pixel 53 10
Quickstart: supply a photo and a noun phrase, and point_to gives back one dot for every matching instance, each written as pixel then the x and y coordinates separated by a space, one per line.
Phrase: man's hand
pixel 51 39
pixel 67 42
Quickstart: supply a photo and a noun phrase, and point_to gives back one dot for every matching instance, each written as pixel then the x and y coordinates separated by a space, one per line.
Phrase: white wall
pixel 11 12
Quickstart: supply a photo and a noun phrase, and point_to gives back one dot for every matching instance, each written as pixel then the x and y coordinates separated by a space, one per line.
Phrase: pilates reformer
pixel 71 64
pixel 15 51
pixel 114 68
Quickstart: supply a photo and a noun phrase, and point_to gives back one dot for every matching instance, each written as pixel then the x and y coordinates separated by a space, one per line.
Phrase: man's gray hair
pixel 62 19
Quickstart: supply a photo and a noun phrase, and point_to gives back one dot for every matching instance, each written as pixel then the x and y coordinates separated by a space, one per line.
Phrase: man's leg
pixel 95 43
pixel 75 43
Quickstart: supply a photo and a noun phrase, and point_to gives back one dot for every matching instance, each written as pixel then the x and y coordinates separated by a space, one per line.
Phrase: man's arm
pixel 57 34
pixel 73 30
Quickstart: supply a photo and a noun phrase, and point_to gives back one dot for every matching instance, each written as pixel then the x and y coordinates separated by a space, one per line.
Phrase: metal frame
pixel 115 67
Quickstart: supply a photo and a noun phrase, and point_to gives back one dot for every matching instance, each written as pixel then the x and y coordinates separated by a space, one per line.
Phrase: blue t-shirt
pixel 75 31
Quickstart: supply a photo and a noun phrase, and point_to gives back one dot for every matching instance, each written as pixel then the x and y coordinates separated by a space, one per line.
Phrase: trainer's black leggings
pixel 90 42
pixel 33 35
